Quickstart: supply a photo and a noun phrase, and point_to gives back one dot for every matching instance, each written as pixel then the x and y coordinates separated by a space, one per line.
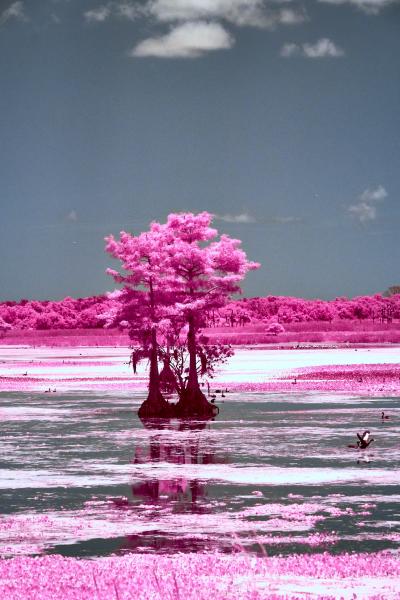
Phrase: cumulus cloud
pixel 16 10
pixel 205 20
pixel 292 16
pixel 376 195
pixel 323 48
pixel 365 209
pixel 125 10
pixel 252 13
pixel 99 14
pixel 371 7
pixel 363 212
pixel 188 40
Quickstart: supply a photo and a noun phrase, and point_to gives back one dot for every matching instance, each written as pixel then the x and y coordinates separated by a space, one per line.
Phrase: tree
pixel 176 359
pixel 207 272
pixel 173 276
pixel 393 290
pixel 274 328
pixel 4 326
pixel 145 262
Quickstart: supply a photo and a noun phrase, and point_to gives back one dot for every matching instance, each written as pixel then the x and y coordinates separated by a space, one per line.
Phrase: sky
pixel 281 118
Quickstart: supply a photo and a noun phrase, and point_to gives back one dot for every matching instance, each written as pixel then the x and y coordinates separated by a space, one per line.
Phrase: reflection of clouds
pixel 275 476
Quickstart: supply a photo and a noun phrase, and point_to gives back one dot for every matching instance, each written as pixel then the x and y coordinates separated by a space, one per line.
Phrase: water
pixel 80 475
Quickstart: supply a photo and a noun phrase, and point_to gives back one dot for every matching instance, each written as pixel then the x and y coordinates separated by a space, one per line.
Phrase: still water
pixel 80 475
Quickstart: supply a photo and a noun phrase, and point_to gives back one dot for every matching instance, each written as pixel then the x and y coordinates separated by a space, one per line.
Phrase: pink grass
pixel 201 577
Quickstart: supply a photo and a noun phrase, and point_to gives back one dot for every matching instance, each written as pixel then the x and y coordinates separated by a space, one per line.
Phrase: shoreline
pixel 368 370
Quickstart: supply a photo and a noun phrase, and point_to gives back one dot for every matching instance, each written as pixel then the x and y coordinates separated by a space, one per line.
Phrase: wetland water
pixel 80 475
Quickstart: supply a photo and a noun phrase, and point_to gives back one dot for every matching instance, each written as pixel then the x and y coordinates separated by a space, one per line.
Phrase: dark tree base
pixel 155 407
pixel 193 403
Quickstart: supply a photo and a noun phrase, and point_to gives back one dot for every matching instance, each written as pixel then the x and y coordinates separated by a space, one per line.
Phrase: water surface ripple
pixel 80 475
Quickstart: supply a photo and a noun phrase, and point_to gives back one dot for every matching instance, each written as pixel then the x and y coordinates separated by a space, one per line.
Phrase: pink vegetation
pixel 353 379
pixel 293 314
pixel 201 577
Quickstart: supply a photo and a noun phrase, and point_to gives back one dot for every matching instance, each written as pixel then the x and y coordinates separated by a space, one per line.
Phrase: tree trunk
pixel 192 402
pixel 155 406
pixel 168 382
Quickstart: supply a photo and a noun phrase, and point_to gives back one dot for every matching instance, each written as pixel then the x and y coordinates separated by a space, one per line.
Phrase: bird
pixel 383 416
pixel 364 440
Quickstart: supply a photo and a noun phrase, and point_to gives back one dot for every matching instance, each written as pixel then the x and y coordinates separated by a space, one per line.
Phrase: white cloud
pixel 376 195
pixel 127 10
pixel 245 217
pixel 323 48
pixel 291 16
pixel 16 10
pixel 99 14
pixel 189 40
pixel 371 7
pixel 252 13
pixel 186 10
pixel 72 216
pixel 241 218
pixel 289 50
pixel 365 210
pixel 199 19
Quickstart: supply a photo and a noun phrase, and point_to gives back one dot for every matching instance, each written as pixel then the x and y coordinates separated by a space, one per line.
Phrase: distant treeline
pixel 93 312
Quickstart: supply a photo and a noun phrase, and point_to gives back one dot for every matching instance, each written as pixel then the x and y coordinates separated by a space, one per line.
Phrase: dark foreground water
pixel 80 475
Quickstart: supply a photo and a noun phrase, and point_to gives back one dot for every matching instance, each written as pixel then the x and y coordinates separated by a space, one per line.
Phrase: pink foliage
pixel 173 275
pixel 199 577
pixel 92 312
pixel 274 328
pixel 69 313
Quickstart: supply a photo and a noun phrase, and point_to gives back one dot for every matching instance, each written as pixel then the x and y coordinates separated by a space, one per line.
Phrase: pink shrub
pixel 274 328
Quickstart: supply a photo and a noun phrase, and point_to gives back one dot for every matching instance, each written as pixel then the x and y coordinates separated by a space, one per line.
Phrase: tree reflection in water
pixel 177 442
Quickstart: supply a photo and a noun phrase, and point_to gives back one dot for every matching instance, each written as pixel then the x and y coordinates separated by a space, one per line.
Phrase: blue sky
pixel 282 118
